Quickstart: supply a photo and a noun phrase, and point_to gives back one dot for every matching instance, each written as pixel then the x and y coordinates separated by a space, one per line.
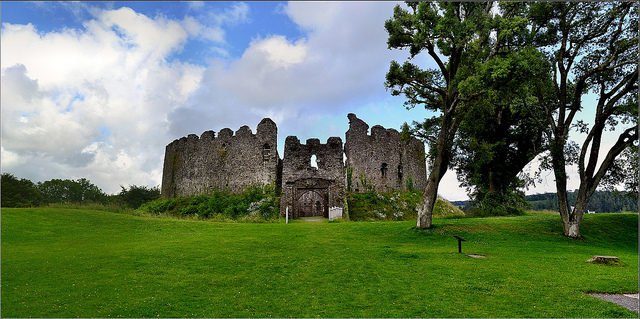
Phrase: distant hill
pixel 601 202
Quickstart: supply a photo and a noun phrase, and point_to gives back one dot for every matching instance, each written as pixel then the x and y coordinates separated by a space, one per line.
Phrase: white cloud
pixel 278 52
pixel 209 25
pixel 103 102
pixel 237 13
pixel 92 103
pixel 329 70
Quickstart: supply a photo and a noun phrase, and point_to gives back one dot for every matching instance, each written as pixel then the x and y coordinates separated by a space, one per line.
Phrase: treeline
pixel 601 201
pixel 21 192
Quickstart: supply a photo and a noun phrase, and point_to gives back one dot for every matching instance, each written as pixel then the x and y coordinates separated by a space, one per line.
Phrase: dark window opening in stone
pixel 314 161
pixel 266 151
pixel 400 172
pixel 383 169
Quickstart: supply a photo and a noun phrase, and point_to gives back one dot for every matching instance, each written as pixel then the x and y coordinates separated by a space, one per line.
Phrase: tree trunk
pixel 425 213
pixel 439 168
pixel 572 229
pixel 570 224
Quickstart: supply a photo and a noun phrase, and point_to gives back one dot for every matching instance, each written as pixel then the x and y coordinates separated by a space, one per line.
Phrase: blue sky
pixel 97 89
pixel 266 18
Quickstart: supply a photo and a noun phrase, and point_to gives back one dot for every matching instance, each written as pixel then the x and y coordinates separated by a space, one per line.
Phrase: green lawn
pixel 69 263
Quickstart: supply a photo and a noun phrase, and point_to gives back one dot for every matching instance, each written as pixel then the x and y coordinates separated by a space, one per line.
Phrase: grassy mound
pixel 444 208
pixel 396 205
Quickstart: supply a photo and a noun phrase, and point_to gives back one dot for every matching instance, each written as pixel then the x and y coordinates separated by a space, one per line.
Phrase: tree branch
pixel 627 138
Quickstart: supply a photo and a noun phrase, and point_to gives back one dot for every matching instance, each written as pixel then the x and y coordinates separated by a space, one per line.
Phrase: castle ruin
pixel 381 161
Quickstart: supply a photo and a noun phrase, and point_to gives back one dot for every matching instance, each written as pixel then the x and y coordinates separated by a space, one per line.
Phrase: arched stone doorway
pixel 311 203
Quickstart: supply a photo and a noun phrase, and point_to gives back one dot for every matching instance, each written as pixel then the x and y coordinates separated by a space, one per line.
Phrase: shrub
pixel 511 204
pixel 253 204
pixel 135 196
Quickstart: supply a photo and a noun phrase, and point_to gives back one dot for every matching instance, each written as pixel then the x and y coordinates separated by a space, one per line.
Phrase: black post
pixel 460 240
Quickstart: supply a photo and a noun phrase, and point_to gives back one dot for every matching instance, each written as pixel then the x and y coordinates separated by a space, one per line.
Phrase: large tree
pixel 18 192
pixel 593 47
pixel 452 34
pixel 502 130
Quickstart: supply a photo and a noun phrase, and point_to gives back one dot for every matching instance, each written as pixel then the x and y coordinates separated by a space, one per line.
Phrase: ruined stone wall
pixel 300 178
pixel 382 161
pixel 196 165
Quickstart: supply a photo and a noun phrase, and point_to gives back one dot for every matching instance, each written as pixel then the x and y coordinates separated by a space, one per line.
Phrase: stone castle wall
pixel 382 161
pixel 196 165
pixel 301 182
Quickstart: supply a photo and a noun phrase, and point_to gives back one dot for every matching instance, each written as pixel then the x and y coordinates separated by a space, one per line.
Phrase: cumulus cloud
pixel 209 25
pixel 102 102
pixel 329 70
pixel 92 102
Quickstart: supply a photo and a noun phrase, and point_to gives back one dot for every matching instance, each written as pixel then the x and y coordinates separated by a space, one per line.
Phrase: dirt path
pixel 629 301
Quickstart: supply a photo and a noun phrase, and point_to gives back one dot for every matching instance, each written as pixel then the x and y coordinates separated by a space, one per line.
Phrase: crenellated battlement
pixel 229 160
pixel 311 175
pixel 265 129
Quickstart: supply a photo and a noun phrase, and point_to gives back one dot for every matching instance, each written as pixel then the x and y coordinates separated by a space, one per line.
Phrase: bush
pixel 511 204
pixel 256 203
pixel 135 196
pixel 18 192
pixel 78 191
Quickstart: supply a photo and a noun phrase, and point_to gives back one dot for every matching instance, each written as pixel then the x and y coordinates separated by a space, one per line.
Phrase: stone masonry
pixel 195 165
pixel 311 191
pixel 382 161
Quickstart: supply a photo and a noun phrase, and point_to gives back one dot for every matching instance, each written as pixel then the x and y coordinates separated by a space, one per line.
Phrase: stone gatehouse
pixel 312 177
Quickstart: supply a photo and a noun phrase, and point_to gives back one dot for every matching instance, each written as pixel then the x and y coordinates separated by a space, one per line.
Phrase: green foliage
pixel 256 203
pixel 503 129
pixel 405 132
pixel 601 201
pixel 498 204
pixel 454 35
pixel 372 205
pixel 67 193
pixel 395 205
pixel 18 192
pixel 71 191
pixel 135 196
pixel 409 184
pixel 59 263
pixel 625 170
pixel 349 178
pixel 23 193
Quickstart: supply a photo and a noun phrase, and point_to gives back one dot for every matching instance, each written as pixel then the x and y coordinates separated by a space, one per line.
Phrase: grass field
pixel 71 262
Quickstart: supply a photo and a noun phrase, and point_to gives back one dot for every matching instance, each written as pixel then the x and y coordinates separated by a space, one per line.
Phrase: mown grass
pixel 81 263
